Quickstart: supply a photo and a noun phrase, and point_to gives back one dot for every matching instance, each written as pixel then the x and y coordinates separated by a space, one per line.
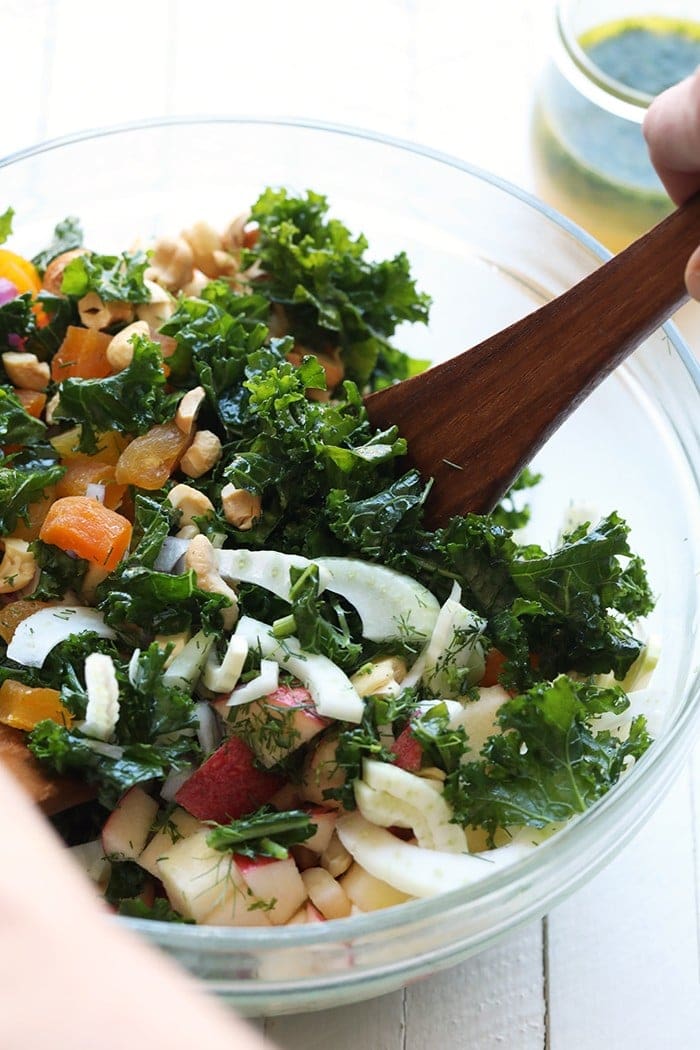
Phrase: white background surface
pixel 617 966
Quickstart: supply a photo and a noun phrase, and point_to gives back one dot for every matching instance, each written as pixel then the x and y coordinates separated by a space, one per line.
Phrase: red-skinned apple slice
pixel 228 785
pixel 127 827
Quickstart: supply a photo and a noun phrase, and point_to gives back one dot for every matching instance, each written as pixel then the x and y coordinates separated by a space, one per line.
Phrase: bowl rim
pixel 657 761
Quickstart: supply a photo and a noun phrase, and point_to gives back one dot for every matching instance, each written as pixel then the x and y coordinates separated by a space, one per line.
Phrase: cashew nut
pixel 159 308
pixel 190 502
pixel 172 263
pixel 53 275
pixel 26 370
pixel 17 567
pixel 204 242
pixel 194 287
pixel 120 350
pixel 202 454
pixel 200 557
pixel 99 314
pixel 241 508
pixel 188 409
pixel 233 235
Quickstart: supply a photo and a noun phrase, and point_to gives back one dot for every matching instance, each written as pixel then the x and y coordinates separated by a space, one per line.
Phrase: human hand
pixel 672 132
pixel 70 976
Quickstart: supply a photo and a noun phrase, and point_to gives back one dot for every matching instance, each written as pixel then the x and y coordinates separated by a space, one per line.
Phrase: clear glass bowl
pixel 488 254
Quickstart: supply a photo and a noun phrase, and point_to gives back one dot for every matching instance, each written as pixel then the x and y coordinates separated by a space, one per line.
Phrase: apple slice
pixel 228 785
pixel 179 825
pixel 276 882
pixel 204 884
pixel 408 751
pixel 369 893
pixel 324 819
pixel 278 723
pixel 127 827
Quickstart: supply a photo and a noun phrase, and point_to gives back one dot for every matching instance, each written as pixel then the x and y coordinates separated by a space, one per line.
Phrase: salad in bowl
pixel 256 688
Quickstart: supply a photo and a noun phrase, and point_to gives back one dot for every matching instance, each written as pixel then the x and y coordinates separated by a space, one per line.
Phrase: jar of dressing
pixel 610 58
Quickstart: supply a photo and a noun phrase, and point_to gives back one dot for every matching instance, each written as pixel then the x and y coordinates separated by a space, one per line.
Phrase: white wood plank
pixel 493 1000
pixel 374 1025
pixel 623 952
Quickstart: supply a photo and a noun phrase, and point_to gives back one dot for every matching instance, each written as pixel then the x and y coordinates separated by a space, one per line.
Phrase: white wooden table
pixel 617 965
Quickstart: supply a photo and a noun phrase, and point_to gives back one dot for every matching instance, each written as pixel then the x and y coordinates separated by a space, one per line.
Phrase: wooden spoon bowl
pixel 473 422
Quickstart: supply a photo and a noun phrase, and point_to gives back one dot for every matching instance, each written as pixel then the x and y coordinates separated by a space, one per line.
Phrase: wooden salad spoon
pixel 473 422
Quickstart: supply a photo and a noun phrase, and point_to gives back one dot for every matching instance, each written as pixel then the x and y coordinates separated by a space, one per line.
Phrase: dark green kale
pixel 132 401
pixel 381 522
pixel 67 751
pixel 548 613
pixel 126 880
pixel 298 450
pixel 17 427
pixel 67 234
pixel 215 336
pixel 148 708
pixel 19 488
pixel 58 572
pixel 18 323
pixel 137 596
pixel 548 763
pixel 442 747
pixel 310 621
pixel 331 294
pixel 112 277
pixel 367 740
pixel 265 833
pixel 160 910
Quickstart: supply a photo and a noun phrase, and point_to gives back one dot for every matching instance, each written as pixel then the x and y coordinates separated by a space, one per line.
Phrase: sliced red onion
pixel 170 553
pixel 8 291
pixel 15 341
pixel 208 730
pixel 96 491
pixel 173 782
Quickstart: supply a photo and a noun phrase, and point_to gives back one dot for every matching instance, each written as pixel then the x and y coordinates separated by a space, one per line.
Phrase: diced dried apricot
pixel 82 355
pixel 33 401
pixel 151 458
pixel 89 529
pixel 23 706
pixel 13 614
pixel 87 470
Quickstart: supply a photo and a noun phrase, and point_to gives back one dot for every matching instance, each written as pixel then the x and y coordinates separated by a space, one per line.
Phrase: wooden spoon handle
pixel 475 421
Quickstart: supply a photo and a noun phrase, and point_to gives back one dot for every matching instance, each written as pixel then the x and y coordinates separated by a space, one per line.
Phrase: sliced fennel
pixel 389 604
pixel 267 569
pixel 35 637
pixel 331 690
pixel 453 659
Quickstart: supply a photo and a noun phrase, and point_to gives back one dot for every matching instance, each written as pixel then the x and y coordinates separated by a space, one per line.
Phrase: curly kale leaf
pixel 67 751
pixel 214 343
pixel 148 708
pixel 548 763
pixel 265 833
pixel 18 324
pixel 132 401
pixel 17 427
pixel 548 613
pixel 113 277
pixel 311 621
pixel 20 488
pixel 67 235
pixel 331 293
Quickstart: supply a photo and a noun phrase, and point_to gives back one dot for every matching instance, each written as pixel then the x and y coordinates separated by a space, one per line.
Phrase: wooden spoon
pixel 473 422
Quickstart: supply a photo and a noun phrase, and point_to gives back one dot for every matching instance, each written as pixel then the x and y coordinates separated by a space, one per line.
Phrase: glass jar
pixel 610 58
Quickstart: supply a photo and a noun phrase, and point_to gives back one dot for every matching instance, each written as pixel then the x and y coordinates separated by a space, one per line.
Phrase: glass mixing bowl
pixel 488 254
